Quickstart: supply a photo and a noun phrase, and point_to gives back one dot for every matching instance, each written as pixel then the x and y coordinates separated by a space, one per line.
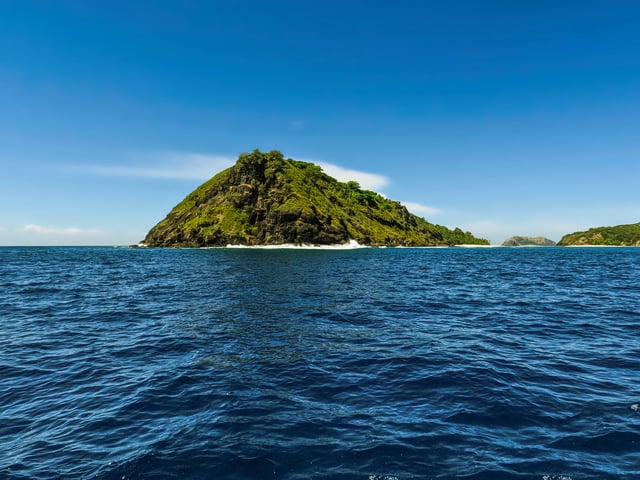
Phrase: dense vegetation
pixel 265 199
pixel 620 235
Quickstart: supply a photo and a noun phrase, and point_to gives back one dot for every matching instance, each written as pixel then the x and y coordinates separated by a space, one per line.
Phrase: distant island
pixel 619 235
pixel 519 241
pixel 265 199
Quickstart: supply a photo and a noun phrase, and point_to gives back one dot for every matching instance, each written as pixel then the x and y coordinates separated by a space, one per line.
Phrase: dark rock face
pixel 265 199
pixel 519 241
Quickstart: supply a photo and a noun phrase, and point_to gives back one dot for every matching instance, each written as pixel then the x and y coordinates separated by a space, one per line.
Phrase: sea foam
pixel 305 246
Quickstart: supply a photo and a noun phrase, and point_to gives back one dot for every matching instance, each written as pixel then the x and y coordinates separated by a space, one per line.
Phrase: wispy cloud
pixel 368 181
pixel 167 165
pixel 199 166
pixel 68 231
pixel 420 209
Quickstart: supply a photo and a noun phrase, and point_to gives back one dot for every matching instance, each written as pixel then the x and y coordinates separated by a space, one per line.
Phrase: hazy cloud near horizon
pixel 33 234
pixel 39 229
pixel 165 165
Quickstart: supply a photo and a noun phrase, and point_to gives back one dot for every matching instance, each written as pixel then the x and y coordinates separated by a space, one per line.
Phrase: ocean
pixel 368 364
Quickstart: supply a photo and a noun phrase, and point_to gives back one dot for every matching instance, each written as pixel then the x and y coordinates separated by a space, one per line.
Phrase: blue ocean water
pixel 505 363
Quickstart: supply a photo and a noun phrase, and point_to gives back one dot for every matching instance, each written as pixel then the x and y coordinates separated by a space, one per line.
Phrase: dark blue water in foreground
pixel 282 364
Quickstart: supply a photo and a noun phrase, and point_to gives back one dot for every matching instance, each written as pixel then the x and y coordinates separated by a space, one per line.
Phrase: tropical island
pixel 265 199
pixel 520 241
pixel 619 235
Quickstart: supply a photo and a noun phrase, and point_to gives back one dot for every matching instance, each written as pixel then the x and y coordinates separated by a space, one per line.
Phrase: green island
pixel 619 235
pixel 520 241
pixel 265 199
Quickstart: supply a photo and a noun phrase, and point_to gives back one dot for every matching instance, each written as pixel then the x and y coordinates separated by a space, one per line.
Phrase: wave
pixel 612 442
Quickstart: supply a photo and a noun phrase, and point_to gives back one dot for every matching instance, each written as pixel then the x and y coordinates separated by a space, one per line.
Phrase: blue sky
pixel 500 117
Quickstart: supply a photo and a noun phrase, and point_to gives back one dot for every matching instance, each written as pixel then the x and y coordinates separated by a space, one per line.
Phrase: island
pixel 266 199
pixel 519 241
pixel 619 235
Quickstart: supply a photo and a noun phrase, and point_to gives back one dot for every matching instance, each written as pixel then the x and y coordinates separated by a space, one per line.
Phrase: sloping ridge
pixel 265 199
pixel 619 235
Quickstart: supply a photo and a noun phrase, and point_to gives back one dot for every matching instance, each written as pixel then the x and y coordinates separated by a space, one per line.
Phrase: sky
pixel 499 117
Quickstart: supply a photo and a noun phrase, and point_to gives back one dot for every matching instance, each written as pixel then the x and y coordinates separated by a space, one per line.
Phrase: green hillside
pixel 265 199
pixel 620 235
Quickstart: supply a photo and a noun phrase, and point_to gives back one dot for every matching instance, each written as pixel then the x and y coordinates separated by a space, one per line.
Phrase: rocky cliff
pixel 265 199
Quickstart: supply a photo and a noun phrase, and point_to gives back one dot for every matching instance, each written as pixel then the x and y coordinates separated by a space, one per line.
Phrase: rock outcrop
pixel 519 241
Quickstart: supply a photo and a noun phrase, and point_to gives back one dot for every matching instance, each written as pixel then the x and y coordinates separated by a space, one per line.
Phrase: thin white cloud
pixel 68 231
pixel 420 209
pixel 368 181
pixel 168 165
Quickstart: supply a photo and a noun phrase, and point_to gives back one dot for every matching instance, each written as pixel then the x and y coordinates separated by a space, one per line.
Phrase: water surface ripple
pixel 364 364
